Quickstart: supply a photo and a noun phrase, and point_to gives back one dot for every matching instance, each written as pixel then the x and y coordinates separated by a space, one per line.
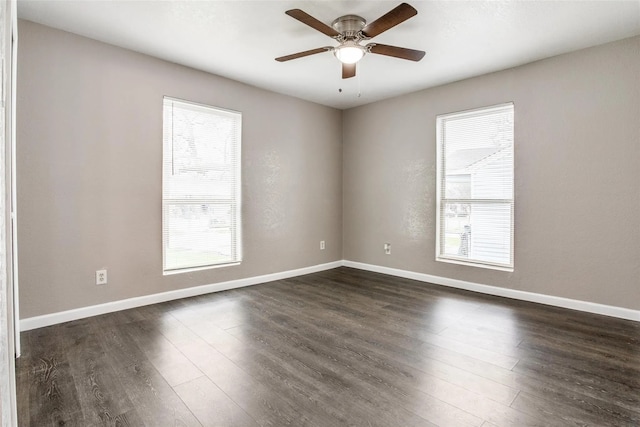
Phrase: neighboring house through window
pixel 200 186
pixel 475 187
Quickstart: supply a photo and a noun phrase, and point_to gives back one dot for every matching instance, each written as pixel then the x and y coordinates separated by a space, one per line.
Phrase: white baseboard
pixel 589 307
pixel 109 307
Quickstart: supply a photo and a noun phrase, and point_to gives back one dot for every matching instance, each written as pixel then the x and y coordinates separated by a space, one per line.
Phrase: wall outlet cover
pixel 101 277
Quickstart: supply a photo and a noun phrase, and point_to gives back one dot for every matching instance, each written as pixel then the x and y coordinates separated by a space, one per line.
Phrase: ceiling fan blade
pixel 348 71
pixel 389 20
pixel 309 20
pixel 303 54
pixel 396 52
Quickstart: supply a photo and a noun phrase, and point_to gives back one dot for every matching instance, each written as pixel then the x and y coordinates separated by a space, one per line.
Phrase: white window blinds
pixel 200 186
pixel 475 187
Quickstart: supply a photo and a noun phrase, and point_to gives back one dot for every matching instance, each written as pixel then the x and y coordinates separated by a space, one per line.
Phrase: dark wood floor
pixel 337 348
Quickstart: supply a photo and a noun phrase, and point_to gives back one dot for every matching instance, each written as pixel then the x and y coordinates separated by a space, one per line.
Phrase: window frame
pixel 442 201
pixel 235 200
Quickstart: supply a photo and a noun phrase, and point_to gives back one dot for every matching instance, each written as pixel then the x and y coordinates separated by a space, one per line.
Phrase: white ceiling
pixel 240 39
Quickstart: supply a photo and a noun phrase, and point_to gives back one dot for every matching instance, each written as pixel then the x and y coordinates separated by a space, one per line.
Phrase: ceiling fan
pixel 350 30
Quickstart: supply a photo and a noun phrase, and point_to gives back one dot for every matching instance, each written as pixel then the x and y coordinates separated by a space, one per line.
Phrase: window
pixel 475 187
pixel 200 186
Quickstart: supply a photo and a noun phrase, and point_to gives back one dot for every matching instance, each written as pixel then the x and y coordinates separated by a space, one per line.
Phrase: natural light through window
pixel 475 187
pixel 201 186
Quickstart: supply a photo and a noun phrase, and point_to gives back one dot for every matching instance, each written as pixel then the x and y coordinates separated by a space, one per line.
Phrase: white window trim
pixel 439 200
pixel 237 205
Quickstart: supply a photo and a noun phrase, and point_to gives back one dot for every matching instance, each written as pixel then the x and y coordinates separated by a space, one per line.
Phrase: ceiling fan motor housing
pixel 349 26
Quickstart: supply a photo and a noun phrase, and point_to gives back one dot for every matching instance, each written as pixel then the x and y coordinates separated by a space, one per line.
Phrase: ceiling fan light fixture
pixel 349 52
pixel 350 30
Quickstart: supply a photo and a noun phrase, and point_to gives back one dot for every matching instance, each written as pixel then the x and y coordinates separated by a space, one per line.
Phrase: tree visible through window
pixel 201 186
pixel 475 187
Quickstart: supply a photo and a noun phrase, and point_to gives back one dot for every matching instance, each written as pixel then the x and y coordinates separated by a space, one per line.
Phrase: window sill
pixel 192 269
pixel 499 267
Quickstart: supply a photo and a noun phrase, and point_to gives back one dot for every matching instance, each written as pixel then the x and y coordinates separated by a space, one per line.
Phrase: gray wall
pixel 89 173
pixel 577 176
pixel 89 163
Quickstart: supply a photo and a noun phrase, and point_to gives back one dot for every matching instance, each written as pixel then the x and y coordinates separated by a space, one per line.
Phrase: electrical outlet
pixel 322 245
pixel 387 248
pixel 101 277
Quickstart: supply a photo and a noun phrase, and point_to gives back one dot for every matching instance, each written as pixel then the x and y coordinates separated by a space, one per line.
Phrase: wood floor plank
pixel 342 347
pixel 163 355
pixel 293 384
pixel 127 419
pixel 606 355
pixel 619 400
pixel 505 344
pixel 432 339
pixel 53 398
pixel 377 347
pixel 625 373
pixel 336 390
pixel 211 406
pixel 337 363
pixel 482 407
pixel 574 411
pixel 267 408
pixel 100 394
pixel 154 400
pixel 23 401
pixel 264 406
pixel 152 397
